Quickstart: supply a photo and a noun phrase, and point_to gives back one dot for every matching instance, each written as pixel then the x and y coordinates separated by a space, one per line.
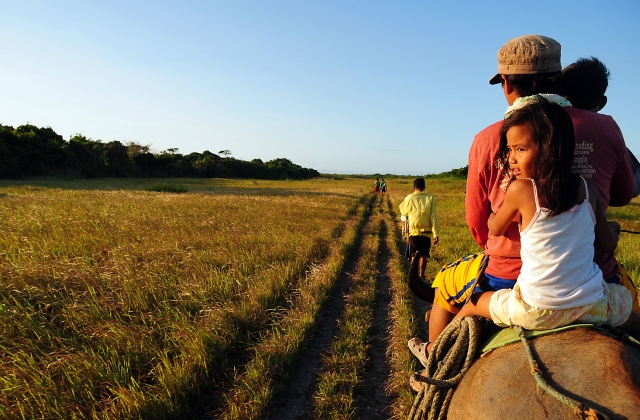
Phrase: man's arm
pixel 435 227
pixel 606 237
pixel 476 203
pixel 622 184
pixel 404 207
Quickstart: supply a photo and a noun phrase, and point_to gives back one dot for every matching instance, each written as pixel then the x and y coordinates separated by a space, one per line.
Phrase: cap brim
pixel 496 79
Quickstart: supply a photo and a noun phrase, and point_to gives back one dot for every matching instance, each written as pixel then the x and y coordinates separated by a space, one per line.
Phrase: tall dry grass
pixel 125 303
pixel 118 302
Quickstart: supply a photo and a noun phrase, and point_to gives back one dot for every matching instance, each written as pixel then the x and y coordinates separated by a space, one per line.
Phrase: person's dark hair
pixel 552 131
pixel 419 184
pixel 585 82
pixel 534 84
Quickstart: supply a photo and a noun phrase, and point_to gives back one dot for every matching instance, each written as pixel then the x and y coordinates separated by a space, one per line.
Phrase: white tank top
pixel 558 271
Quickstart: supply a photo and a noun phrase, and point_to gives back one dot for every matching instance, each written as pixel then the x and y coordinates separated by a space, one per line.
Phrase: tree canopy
pixel 31 151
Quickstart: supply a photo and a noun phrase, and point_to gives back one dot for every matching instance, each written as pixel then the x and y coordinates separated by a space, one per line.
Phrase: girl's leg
pixel 438 321
pixel 440 317
pixel 478 305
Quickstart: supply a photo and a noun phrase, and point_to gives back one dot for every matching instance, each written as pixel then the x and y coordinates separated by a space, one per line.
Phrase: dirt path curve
pixel 296 400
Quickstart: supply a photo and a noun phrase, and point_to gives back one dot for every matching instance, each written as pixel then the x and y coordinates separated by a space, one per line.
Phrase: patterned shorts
pixel 507 308
pixel 455 283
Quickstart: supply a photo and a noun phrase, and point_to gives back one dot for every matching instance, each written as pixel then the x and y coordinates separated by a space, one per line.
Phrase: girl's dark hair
pixel 552 131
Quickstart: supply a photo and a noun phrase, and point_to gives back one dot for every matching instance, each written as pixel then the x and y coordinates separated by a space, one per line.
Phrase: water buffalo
pixel 591 368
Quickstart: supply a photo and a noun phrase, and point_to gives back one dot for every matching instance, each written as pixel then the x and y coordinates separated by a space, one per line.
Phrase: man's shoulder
pixel 489 134
pixel 491 130
pixel 423 195
pixel 589 118
pixel 486 143
pixel 596 128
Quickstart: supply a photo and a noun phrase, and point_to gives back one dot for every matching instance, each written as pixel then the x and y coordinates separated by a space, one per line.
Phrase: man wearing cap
pixel 528 65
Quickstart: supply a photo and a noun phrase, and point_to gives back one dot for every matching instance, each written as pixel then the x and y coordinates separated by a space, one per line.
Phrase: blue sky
pixel 340 86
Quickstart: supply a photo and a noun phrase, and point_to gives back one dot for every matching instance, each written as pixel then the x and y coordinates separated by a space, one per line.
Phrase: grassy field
pixel 192 298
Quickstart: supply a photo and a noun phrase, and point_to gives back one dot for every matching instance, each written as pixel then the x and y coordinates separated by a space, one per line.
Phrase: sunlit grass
pixel 628 251
pixel 343 366
pixel 124 302
pixel 277 350
pixel 119 302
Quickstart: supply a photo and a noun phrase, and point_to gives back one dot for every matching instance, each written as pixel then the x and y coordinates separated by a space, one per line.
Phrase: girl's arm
pixel 519 192
pixel 606 238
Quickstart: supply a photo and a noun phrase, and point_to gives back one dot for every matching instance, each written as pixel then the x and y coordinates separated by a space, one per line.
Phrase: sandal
pixel 416 382
pixel 419 349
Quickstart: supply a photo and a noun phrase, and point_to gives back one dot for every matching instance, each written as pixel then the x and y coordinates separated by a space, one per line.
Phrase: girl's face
pixel 523 152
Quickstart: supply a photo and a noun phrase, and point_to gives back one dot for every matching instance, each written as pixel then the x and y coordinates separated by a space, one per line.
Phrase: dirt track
pixel 373 399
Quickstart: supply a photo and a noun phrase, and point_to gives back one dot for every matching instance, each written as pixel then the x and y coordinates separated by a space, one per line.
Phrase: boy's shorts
pixel 507 308
pixel 419 243
pixel 455 282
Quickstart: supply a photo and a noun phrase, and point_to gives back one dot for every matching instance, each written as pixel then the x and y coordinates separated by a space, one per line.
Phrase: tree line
pixel 454 173
pixel 32 151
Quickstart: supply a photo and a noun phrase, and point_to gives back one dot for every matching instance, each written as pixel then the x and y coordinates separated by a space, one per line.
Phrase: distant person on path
pixel 383 186
pixel 527 66
pixel 584 84
pixel 560 216
pixel 376 186
pixel 420 208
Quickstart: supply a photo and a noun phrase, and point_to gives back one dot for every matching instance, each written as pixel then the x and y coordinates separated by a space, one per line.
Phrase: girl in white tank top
pixel 560 216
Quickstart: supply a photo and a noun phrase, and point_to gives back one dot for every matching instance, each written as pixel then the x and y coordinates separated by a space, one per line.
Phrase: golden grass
pixel 343 366
pixel 276 351
pixel 120 302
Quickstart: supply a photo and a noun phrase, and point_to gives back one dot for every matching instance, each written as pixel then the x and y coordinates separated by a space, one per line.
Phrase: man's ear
pixel 507 86
pixel 602 102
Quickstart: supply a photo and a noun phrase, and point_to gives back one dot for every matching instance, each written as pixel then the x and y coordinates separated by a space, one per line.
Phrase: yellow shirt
pixel 423 214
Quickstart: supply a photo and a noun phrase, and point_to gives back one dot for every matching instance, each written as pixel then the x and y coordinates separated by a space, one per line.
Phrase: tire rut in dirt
pixel 296 399
pixel 373 399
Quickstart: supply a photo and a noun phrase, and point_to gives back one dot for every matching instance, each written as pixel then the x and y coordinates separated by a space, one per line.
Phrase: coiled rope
pixel 452 355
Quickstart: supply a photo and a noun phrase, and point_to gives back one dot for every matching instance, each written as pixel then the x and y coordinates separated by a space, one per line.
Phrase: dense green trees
pixel 454 173
pixel 31 151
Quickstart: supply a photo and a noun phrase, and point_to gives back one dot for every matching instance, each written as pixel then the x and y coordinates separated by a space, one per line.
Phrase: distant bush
pixel 170 188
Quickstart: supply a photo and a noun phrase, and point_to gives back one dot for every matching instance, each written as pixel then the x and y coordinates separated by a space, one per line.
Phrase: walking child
pixel 376 186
